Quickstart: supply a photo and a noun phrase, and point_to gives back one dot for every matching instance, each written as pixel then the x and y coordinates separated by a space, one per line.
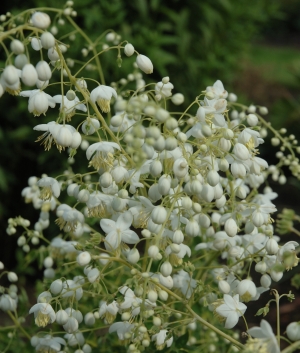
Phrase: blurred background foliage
pixel 252 46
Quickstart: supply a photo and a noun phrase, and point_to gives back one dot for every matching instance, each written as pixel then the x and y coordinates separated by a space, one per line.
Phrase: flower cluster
pixel 173 209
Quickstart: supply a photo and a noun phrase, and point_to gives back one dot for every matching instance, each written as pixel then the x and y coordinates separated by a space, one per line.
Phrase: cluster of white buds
pixel 169 211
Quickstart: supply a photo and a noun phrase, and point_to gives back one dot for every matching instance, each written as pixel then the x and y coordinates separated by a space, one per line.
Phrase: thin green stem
pixel 92 45
pixel 292 347
pixel 17 323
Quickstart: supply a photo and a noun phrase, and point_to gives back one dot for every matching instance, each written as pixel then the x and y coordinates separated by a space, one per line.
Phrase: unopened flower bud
pixel 153 251
pixel 71 325
pixel 272 246
pixel 276 276
pixel 40 20
pixel 93 274
pixel 178 237
pixel 156 168
pixel 166 269
pixel 252 119
pixel 159 215
pixel 144 63
pixel 43 71
pixel 48 262
pixel 29 75
pixel 47 40
pixel 129 49
pixel 152 296
pixel 83 196
pixel 213 178
pixel 156 321
pixel 133 256
pixel 192 228
pixel 224 287
pixel 62 317
pixel 56 286
pixel 163 295
pixel 83 258
pixel 175 248
pixel 10 75
pixel 231 227
pixel 177 99
pixel 17 47
pixel 105 180
pixel 89 319
pixel 12 277
pixel 265 281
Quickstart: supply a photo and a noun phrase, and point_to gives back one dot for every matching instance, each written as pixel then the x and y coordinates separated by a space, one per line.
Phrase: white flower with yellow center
pixel 43 313
pixel 50 186
pixel 108 311
pixel 69 106
pixel 103 154
pixel 102 95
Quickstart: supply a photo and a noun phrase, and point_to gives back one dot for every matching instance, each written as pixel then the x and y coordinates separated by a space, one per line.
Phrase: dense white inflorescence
pixel 170 212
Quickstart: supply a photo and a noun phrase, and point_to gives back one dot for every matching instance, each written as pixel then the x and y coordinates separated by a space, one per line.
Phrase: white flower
pixel 232 309
pixel 186 284
pixel 160 339
pixel 38 102
pixel 68 217
pixel 103 157
pixel 217 90
pixel 50 187
pixel 69 106
pixel 7 303
pixel 121 328
pixel 144 63
pixel 49 344
pixel 43 313
pixel 266 335
pixel 72 288
pixel 247 290
pixel 60 135
pixel 119 231
pixel 133 302
pixel 102 95
pixel 108 311
pixel 164 89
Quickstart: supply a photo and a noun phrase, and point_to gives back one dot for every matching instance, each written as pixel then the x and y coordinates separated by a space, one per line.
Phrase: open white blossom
pixel 119 231
pixel 43 313
pixel 265 334
pixel 38 102
pixel 232 309
pixel 102 95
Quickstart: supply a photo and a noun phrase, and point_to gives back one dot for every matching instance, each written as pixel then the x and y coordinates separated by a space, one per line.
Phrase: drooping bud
pixel 40 20
pixel 29 75
pixel 47 40
pixel 43 70
pixel 129 49
pixel 144 64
